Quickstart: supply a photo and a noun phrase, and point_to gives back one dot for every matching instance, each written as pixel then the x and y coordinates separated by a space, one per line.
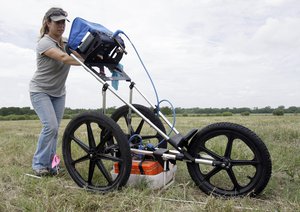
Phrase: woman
pixel 47 87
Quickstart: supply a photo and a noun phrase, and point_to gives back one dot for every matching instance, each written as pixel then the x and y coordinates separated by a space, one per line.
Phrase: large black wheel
pixel 138 126
pixel 93 145
pixel 243 165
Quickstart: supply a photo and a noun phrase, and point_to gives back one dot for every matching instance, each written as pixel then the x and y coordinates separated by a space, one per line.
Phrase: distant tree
pixel 9 113
pixel 166 110
pixel 179 110
pixel 5 111
pixel 267 109
pixel 110 110
pixel 293 109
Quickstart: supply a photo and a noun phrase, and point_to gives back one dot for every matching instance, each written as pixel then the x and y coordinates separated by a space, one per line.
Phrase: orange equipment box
pixel 149 167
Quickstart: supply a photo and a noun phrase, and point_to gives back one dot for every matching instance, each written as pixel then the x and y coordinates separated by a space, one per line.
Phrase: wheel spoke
pixel 91 138
pixel 108 157
pixel 233 179
pixel 149 136
pixel 229 146
pixel 209 152
pixel 81 144
pixel 79 160
pixel 128 124
pixel 92 145
pixel 212 173
pixel 91 171
pixel 104 137
pixel 104 171
pixel 244 162
pixel 140 126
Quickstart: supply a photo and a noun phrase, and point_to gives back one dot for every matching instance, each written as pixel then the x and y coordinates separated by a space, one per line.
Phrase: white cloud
pixel 16 68
pixel 199 53
pixel 16 61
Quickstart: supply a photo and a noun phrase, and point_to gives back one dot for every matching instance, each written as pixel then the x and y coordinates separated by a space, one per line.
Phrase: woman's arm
pixel 59 55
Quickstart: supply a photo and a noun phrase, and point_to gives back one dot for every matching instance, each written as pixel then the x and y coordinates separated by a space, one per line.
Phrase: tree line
pixel 11 113
pixel 256 110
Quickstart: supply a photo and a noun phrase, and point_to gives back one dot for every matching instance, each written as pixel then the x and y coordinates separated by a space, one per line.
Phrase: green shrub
pixel 245 113
pixel 278 112
pixel 227 113
pixel 67 116
pixel 14 117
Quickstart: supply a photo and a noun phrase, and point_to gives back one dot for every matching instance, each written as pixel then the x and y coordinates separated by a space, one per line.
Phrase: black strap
pixel 141 166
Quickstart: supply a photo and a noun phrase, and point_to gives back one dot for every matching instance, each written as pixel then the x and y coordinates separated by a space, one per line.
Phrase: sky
pixel 199 53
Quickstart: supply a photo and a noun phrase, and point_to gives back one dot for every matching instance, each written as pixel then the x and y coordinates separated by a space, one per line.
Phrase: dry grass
pixel 19 192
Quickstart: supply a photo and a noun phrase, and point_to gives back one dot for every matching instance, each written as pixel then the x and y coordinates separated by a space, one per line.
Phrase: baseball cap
pixel 56 14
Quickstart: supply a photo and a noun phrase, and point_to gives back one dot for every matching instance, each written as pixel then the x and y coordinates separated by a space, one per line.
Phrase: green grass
pixel 19 192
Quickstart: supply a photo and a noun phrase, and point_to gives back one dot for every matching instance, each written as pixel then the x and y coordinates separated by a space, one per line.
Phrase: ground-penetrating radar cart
pixel 223 159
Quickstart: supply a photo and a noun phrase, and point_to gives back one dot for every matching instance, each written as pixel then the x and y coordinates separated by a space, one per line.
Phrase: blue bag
pixel 95 43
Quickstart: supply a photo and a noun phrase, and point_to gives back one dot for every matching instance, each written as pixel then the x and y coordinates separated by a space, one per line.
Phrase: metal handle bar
pixel 125 102
pixel 172 156
pixel 122 48
pixel 160 113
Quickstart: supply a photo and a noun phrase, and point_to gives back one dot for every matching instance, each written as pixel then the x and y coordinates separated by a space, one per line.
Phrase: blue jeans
pixel 50 111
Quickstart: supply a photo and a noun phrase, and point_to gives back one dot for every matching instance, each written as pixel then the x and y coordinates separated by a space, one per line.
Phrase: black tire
pixel 139 126
pixel 248 164
pixel 92 145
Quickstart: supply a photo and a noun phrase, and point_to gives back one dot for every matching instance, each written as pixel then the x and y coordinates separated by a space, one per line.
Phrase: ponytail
pixel 44 29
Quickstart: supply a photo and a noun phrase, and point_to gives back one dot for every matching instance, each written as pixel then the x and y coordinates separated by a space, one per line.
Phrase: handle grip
pixel 114 36
pixel 116 33
pixel 68 51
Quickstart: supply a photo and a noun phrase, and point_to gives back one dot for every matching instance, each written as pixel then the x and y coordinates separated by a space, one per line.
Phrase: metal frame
pixel 180 154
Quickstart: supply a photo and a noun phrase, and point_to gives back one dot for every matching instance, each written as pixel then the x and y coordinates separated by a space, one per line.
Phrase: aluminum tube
pixel 164 156
pixel 174 151
pixel 104 102
pixel 204 161
pixel 160 113
pixel 125 102
pixel 140 151
pixel 168 157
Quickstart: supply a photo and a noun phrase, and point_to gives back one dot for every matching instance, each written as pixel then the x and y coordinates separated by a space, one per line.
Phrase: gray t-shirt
pixel 51 75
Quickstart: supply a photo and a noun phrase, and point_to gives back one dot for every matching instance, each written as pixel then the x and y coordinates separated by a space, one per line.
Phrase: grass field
pixel 19 192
